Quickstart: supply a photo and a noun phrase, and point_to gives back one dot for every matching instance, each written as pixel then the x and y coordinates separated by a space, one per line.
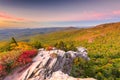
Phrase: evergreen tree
pixel 13 41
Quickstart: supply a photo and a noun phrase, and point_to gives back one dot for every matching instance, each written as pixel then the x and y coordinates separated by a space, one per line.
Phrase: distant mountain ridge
pixel 19 33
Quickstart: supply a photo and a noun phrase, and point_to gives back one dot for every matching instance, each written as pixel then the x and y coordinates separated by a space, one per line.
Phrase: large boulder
pixel 54 64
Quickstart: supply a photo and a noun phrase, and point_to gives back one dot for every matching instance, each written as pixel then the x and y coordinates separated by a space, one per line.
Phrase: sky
pixel 57 13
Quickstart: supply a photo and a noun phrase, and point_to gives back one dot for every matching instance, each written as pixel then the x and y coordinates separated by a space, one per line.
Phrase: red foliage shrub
pixel 49 48
pixel 26 56
pixel 1 67
pixel 2 70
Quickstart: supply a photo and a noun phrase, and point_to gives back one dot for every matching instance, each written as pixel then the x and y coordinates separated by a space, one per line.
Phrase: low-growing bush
pixel 12 59
pixel 36 44
pixel 2 70
pixel 26 56
pixel 48 48
pixel 21 46
pixel 5 46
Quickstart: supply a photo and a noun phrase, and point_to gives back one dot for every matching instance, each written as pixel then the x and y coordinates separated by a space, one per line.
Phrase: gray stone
pixel 53 65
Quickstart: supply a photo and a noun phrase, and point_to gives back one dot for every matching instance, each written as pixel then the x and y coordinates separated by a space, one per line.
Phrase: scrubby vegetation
pixel 103 47
pixel 102 42
pixel 14 54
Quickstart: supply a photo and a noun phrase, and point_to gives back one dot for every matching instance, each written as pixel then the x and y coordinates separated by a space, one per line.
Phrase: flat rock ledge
pixel 54 64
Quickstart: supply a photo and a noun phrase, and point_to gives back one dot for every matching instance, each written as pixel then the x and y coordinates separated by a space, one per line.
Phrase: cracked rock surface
pixel 51 65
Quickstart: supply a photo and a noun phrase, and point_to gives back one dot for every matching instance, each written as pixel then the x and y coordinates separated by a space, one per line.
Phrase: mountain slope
pixel 103 45
pixel 89 34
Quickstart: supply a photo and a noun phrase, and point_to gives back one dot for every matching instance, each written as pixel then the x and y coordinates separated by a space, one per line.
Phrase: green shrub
pixel 36 44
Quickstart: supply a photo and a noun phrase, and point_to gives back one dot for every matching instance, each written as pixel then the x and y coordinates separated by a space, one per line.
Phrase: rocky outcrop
pixel 59 75
pixel 52 65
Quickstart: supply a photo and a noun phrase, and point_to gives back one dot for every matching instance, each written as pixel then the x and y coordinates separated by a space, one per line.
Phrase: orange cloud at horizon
pixel 11 21
pixel 6 16
pixel 4 24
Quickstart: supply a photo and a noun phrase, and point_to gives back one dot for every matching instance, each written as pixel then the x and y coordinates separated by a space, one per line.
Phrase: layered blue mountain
pixel 21 33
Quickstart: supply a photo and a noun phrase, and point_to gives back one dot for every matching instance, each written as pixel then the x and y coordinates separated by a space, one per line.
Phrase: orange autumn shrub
pixel 9 56
pixel 48 47
pixel 21 46
pixel 15 58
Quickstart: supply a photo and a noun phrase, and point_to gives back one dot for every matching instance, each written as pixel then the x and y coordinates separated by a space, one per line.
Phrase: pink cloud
pixel 117 12
pixel 98 15
pixel 78 16
pixel 94 16
pixel 83 16
pixel 10 17
pixel 73 16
